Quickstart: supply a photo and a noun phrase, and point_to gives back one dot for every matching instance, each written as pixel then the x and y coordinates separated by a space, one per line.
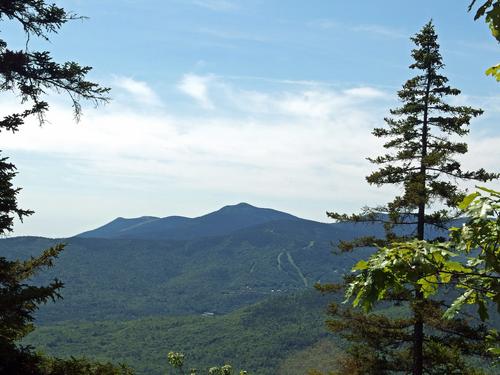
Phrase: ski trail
pixel 279 261
pixel 301 275
pixel 310 245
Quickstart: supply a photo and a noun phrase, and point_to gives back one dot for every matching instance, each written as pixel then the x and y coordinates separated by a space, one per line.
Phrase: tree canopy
pixel 422 143
pixel 469 262
pixel 31 76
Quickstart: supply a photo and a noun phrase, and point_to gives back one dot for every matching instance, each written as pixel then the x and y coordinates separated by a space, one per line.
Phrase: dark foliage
pixel 30 75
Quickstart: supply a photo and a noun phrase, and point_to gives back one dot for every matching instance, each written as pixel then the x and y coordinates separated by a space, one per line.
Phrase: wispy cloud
pixel 306 99
pixel 369 29
pixel 324 24
pixel 487 46
pixel 196 87
pixel 380 30
pixel 366 93
pixel 139 90
pixel 297 143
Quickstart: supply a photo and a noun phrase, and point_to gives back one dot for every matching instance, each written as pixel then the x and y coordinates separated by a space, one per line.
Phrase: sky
pixel 216 102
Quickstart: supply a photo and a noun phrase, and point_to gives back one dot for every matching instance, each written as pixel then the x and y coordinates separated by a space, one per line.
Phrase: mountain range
pixel 218 262
pixel 131 274
pixel 224 221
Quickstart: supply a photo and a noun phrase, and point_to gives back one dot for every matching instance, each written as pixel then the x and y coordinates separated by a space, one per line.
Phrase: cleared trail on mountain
pixel 293 264
pixel 299 272
pixel 279 261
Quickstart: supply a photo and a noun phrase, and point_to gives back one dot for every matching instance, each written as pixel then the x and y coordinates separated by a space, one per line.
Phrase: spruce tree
pixel 18 299
pixel 423 160
pixel 28 75
pixel 420 136
pixel 422 149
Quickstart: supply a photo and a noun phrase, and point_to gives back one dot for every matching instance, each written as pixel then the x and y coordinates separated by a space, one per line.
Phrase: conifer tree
pixel 18 299
pixel 421 158
pixel 28 75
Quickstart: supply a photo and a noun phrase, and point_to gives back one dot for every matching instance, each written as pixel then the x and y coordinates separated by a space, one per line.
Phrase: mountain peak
pixel 238 206
pixel 224 221
pixel 243 204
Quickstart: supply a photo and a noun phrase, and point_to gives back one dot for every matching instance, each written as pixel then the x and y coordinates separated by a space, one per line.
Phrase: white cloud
pixel 295 148
pixel 139 90
pixel 365 93
pixel 380 30
pixel 370 29
pixel 284 144
pixel 306 99
pixel 197 88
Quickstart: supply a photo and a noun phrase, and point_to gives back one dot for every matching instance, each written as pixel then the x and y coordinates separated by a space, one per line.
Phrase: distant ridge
pixel 118 225
pixel 224 221
pixel 176 265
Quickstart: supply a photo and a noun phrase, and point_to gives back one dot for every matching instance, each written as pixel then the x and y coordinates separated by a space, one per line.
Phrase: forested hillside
pixel 264 337
pixel 131 278
pixel 132 300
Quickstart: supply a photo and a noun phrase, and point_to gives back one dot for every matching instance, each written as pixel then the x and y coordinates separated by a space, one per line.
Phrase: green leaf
pixel 361 265
pixel 494 351
pixel 490 191
pixel 456 267
pixel 494 71
pixel 482 9
pixel 468 200
pixel 428 285
pixel 482 310
pixel 358 298
pixel 457 305
pixel 445 277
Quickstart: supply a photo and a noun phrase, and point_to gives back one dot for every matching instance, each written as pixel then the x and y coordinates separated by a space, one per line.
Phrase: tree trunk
pixel 418 327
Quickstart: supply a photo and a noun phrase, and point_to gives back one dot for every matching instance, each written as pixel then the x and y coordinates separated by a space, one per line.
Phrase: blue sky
pixel 217 102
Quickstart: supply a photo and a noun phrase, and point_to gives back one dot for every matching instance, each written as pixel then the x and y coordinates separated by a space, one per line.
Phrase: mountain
pixel 137 288
pixel 131 278
pixel 122 278
pixel 117 226
pixel 221 222
pixel 218 262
